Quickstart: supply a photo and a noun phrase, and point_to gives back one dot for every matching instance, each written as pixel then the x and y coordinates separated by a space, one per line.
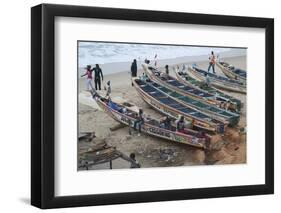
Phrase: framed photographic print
pixel 139 106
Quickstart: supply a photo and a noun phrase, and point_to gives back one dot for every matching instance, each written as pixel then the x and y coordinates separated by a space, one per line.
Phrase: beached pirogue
pixel 174 84
pixel 211 110
pixel 125 113
pixel 173 108
pixel 218 81
pixel 232 72
pixel 185 78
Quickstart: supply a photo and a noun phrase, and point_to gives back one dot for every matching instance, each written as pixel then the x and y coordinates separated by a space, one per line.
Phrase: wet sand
pixel 227 149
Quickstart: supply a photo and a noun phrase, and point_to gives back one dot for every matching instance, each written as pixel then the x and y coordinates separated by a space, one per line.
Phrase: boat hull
pixel 219 84
pixel 222 115
pixel 176 137
pixel 235 104
pixel 151 75
pixel 230 74
pixel 176 114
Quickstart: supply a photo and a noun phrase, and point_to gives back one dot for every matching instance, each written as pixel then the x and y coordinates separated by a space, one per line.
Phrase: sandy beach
pixel 229 149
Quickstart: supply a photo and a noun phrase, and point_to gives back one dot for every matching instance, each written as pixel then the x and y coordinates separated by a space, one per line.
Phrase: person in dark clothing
pixel 166 123
pixel 134 69
pixel 135 163
pixel 167 69
pixel 98 77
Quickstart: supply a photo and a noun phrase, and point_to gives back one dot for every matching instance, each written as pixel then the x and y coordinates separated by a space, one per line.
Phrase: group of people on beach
pixel 98 78
pixel 165 123
pixel 98 74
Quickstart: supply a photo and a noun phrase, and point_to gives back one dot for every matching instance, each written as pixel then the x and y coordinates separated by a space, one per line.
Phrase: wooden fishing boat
pixel 125 113
pixel 185 78
pixel 218 81
pixel 215 112
pixel 174 84
pixel 232 72
pixel 166 105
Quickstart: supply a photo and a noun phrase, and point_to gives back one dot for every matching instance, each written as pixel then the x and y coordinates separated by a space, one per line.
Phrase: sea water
pixel 106 52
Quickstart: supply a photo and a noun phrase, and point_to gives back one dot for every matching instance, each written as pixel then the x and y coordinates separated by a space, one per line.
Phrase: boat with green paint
pixel 185 78
pixel 211 110
pixel 218 81
pixel 163 103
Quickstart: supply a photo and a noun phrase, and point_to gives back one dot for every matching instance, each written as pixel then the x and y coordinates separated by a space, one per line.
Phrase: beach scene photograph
pixel 160 105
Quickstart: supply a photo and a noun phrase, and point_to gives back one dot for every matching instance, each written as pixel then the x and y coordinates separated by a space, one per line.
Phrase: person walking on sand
pixel 89 78
pixel 134 69
pixel 98 77
pixel 212 62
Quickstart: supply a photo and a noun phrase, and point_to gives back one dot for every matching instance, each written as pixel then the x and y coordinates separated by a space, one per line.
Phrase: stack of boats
pixel 207 108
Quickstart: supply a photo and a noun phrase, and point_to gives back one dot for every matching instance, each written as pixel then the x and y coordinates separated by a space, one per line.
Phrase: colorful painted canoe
pixel 126 114
pixel 218 81
pixel 185 78
pixel 172 83
pixel 232 72
pixel 169 106
pixel 217 113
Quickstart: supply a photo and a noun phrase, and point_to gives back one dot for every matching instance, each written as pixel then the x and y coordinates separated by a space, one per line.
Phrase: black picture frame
pixel 43 105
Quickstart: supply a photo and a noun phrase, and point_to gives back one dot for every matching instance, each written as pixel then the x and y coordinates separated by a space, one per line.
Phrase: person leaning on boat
pixel 181 124
pixel 207 80
pixel 166 123
pixel 166 73
pixel 139 121
pixel 212 62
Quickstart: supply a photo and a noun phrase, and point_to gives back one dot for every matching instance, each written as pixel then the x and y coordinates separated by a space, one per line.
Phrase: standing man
pixel 88 73
pixel 98 77
pixel 167 70
pixel 212 62
pixel 134 69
